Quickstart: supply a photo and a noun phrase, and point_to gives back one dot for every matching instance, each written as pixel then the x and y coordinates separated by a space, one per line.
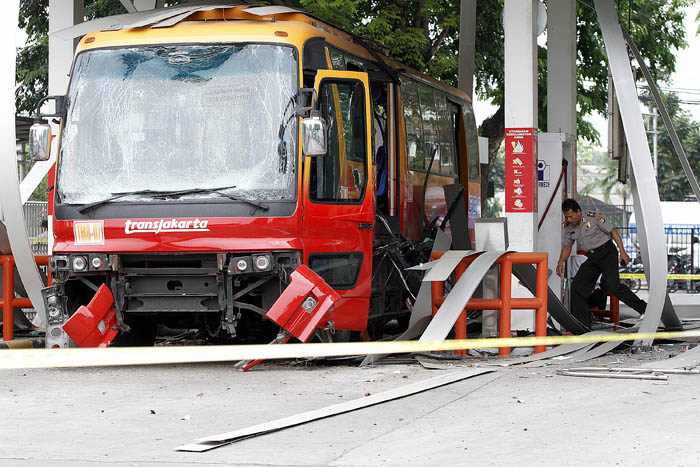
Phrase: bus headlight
pixel 241 265
pixel 262 263
pixel 79 263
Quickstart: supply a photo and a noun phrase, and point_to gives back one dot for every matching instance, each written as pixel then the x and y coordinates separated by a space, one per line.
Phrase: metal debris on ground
pixel 212 442
pixel 657 374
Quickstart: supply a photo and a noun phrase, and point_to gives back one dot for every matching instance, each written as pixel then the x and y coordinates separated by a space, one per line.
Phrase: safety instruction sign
pixel 521 181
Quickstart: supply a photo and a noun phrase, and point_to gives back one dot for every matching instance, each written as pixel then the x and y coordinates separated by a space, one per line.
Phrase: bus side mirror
pixel 313 136
pixel 40 142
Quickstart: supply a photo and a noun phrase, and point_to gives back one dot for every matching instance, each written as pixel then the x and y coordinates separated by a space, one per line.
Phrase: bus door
pixel 339 201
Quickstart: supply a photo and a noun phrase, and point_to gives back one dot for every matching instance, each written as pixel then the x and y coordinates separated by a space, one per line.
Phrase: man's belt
pixel 602 247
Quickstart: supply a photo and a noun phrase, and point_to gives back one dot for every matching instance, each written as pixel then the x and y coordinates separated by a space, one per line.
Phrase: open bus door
pixel 339 199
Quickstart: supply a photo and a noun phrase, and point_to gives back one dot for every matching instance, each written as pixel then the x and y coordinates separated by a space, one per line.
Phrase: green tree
pixel 32 73
pixel 498 177
pixel 673 183
pixel 424 34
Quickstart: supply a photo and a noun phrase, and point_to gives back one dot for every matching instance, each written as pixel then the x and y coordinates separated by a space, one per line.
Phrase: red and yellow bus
pixel 181 183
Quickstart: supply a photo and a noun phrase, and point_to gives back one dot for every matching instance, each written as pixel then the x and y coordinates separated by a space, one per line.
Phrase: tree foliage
pixel 32 72
pixel 673 183
pixel 600 172
pixel 424 34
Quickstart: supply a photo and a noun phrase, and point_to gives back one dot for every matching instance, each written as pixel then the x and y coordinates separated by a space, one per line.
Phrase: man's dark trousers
pixel 601 260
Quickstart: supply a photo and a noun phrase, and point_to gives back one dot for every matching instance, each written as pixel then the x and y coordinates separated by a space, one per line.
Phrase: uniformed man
pixel 595 235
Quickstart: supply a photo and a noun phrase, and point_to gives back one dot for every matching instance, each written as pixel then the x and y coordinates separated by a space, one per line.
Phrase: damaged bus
pixel 229 169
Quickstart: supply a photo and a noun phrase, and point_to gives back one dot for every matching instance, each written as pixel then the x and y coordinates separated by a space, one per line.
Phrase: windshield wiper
pixel 175 193
pixel 217 191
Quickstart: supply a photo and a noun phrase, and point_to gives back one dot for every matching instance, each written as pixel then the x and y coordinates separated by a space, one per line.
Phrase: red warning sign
pixel 521 176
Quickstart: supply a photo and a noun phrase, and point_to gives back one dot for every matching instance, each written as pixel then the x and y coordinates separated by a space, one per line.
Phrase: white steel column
pixel 467 45
pixel 520 26
pixel 62 14
pixel 561 66
pixel 560 141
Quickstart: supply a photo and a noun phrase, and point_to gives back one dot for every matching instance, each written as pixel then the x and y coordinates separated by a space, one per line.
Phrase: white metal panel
pixel 271 10
pixel 647 203
pixel 458 297
pixel 9 180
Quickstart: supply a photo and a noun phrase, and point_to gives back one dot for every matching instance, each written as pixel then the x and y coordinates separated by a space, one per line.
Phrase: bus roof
pixel 213 22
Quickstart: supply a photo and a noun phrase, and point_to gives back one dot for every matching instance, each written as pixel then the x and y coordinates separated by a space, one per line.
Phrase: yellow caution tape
pixel 627 275
pixel 114 356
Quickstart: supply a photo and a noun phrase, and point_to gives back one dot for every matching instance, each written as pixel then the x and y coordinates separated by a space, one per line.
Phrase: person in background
pixel 595 235
pixel 44 229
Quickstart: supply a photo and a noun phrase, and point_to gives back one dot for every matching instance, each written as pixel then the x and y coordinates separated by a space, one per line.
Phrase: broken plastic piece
pixel 94 325
pixel 304 304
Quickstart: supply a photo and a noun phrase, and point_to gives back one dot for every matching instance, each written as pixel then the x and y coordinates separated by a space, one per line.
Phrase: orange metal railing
pixel 505 303
pixel 8 302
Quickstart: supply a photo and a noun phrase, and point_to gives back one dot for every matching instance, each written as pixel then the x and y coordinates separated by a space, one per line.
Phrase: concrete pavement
pixel 515 416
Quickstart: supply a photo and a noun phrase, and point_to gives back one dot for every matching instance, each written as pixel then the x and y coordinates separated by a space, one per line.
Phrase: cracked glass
pixel 170 118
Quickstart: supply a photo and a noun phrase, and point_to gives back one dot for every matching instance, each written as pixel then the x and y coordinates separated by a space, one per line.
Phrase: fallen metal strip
pixel 183 16
pixel 215 441
pixel 106 23
pixel 271 10
pixel 158 16
pixel 651 232
pixel 423 266
pixel 638 370
pixel 584 374
pixel 34 177
pixel 557 351
pixel 527 274
pixel 587 353
pixel 688 359
pixel 458 297
pixel 411 333
pixel 680 152
pixel 598 351
pixel 446 264
pixel 422 308
pixel 9 182
pixel 537 363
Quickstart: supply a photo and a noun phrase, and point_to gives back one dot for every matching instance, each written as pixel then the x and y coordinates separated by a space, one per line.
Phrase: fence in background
pixel 34 213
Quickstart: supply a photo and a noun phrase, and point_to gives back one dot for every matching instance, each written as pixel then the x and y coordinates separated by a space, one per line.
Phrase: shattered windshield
pixel 180 117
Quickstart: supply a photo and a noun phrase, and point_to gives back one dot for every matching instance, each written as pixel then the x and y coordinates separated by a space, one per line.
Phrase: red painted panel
pixel 196 235
pixel 94 325
pixel 288 311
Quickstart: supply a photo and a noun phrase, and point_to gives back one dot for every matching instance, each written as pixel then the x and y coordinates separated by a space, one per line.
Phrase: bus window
pixel 472 142
pixel 415 144
pixel 447 135
pixel 429 113
pixel 341 174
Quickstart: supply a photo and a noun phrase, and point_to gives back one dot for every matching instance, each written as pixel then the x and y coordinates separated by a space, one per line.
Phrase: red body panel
pixel 94 325
pixel 288 312
pixel 220 234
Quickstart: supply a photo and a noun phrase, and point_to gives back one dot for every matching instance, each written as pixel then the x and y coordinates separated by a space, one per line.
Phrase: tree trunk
pixel 494 129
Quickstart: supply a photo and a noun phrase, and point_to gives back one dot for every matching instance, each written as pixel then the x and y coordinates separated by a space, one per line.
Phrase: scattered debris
pixel 212 442
pixel 657 374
